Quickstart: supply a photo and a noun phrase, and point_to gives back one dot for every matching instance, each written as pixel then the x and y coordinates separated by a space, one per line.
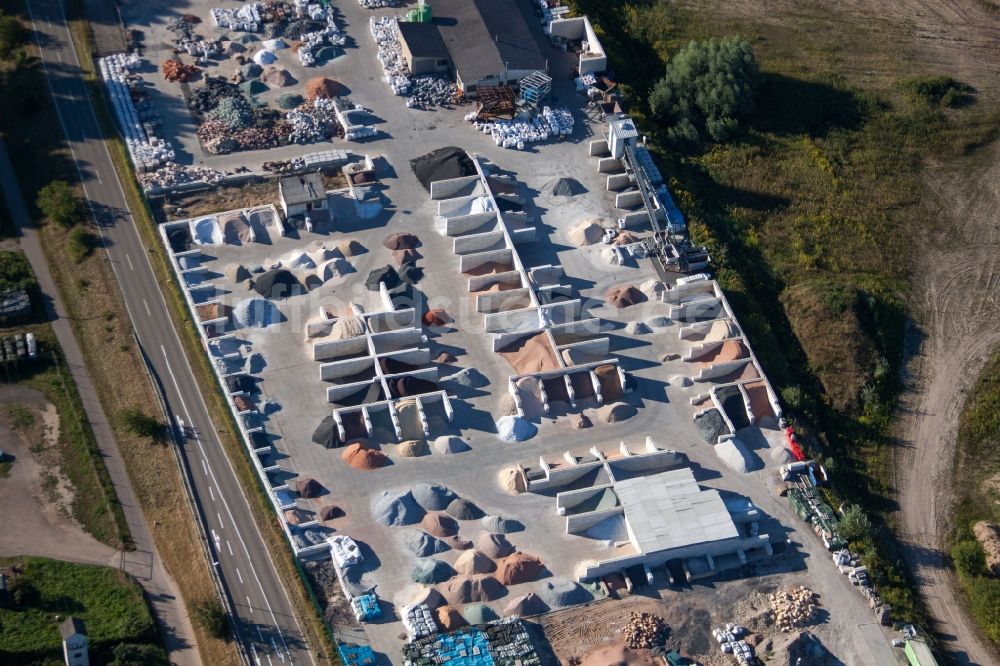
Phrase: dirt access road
pixel 957 286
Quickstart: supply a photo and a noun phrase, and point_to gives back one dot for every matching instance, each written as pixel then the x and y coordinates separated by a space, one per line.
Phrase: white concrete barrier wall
pixel 382 322
pixel 455 187
pixel 584 521
pixel 331 349
pixel 599 147
pixel 683 293
pixel 646 461
pixel 720 369
pixel 610 165
pixel 492 301
pixel 702 350
pixel 478 242
pixel 471 262
pixel 571 498
pixel 693 312
pixel 411 356
pixel 522 236
pixel 456 226
pixel 629 199
pixel 480 282
pixel 635 220
pixel 335 393
pixel 391 341
pixel 512 321
pixel 618 182
pixel 457 207
pixel 338 369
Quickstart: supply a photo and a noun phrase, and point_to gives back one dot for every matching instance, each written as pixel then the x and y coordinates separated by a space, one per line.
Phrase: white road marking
pixel 220 520
pixel 260 634
pixel 211 492
pixel 249 605
pixel 229 547
pixel 129 259
pixel 204 467
pixel 239 575
pixel 147 307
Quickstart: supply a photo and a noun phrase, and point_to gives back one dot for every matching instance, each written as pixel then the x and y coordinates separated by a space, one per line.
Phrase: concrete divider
pixel 412 356
pixel 597 347
pixel 391 341
pixel 584 521
pixel 523 235
pixel 492 302
pixel 720 369
pixel 618 182
pixel 575 331
pixel 610 165
pixel 463 224
pixel 599 148
pixel 461 206
pixel 562 312
pixel 628 199
pixel 428 374
pixel 557 477
pixel 695 353
pixel 566 501
pixel 338 369
pixel 480 282
pixel 332 349
pixel 635 220
pixel 692 330
pixel 335 393
pixel 692 291
pixel 455 187
pixel 478 242
pixel 697 311
pixel 522 321
pixel 396 320
pixel 470 262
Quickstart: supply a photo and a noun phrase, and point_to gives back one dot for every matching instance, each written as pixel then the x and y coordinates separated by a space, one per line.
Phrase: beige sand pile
pixel 586 233
pixel 361 457
pixel 469 589
pixel 489 268
pixel 408 416
pixel 610 381
pixel 296 516
pixel 512 480
pixel 529 390
pixel 526 605
pixel 531 354
pixel 413 448
pixel 210 311
pixel 473 562
pixel 626 238
pixel 440 525
pixel 426 596
pixel 580 421
pixel 347 327
pixel 235 229
pixel 436 317
pixel 445 357
pixel 236 273
pixel 988 535
pixel 734 455
pixel 518 568
pixel 653 288
pixel 449 618
pixel 625 296
pixel 322 87
pixel 616 412
pixel 277 77
pixel 350 247
pixel 494 545
pixel 619 654
pixel 718 331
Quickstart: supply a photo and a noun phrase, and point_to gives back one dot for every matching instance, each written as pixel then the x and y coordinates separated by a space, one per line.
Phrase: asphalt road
pixel 265 622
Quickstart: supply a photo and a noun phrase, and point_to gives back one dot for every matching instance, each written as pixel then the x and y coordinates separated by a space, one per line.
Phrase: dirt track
pixel 957 287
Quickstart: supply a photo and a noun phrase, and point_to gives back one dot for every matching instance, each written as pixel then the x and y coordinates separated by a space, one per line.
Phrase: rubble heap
pixel 794 607
pixel 645 630
pixel 177 72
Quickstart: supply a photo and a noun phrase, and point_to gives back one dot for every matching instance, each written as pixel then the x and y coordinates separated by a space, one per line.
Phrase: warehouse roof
pixel 423 40
pixel 669 510
pixel 485 37
pixel 301 189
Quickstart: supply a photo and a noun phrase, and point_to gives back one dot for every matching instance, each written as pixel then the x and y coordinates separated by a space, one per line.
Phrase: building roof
pixel 301 189
pixel 669 510
pixel 70 627
pixel 485 37
pixel 423 40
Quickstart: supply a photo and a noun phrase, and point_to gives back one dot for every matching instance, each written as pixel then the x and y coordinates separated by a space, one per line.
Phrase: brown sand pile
pixel 236 272
pixel 512 480
pixel 210 311
pixel 350 247
pixel 307 487
pixel 439 524
pixel 445 357
pixel 730 350
pixel 469 589
pixel 405 256
pixel 347 327
pixel 359 456
pixel 322 87
pixel 409 420
pixel 760 403
pixel 330 512
pixel 531 354
pixel 494 545
pixel 586 233
pixel 401 241
pixel 235 229
pixel 489 268
pixel 242 403
pixel 495 287
pixel 506 406
pixel 611 383
pixel 436 317
pixel 580 421
pixel 555 389
pixel 277 77
pixel 623 297
pixel 518 568
pixel 526 605
pixel 413 448
pixel 626 238
pixel 296 516
pixel 458 543
pixel 448 618
pixel 718 331
pixel 618 654
pixel 616 412
pixel 474 562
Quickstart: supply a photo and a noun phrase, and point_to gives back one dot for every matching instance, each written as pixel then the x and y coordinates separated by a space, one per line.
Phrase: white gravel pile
pixel 256 313
pixel 515 429
pixel 734 455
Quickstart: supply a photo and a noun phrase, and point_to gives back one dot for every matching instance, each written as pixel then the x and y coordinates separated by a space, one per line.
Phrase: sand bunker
pixel 361 457
pixel 586 233
pixel 432 496
pixel 401 241
pixel 413 448
pixel 518 568
pixel 395 509
pixel 436 317
pixel 431 572
pixel 610 529
pixel 561 592
pixel 478 614
pixel 531 354
pixel 256 313
pixel 447 444
pixel 408 416
pixel 615 412
pixel 467 589
pixel 474 562
pixel 515 429
pixel 448 618
pixel 494 545
pixel 526 605
pixel 624 296
pixel 307 487
pixel 439 525
pixel 210 311
pixel 463 509
pixel 610 381
pixel 423 544
pixel 734 455
pixel 501 525
pixel 529 390
pixel 710 425
pixel 512 480
pixel 278 283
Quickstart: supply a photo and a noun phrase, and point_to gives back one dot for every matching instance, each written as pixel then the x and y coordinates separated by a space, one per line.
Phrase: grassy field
pixel 808 215
pixel 47 591
pixel 977 489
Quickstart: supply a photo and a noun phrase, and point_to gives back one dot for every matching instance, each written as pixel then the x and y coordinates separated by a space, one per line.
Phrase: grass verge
pixel 46 591
pixel 317 635
pixel 977 489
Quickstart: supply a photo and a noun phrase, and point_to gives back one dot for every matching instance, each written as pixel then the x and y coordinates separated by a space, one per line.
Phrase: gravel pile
pixel 463 509
pixel 519 568
pixel 439 525
pixel 395 509
pixel 710 425
pixel 501 525
pixel 494 545
pixel 474 562
pixel 432 497
pixel 233 112
pixel 469 589
pixel 734 455
pixel 560 592
pixel 515 429
pixel 447 444
pixel 288 101
pixel 478 614
pixel 469 378
pixel 256 313
pixel 431 572
pixel 422 544
pixel 526 605
pixel 413 448
pixel 616 412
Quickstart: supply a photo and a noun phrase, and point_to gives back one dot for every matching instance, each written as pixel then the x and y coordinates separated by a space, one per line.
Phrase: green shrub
pixel 212 618
pixel 855 525
pixel 80 244
pixel 938 91
pixel 708 89
pixel 969 558
pixel 57 202
pixel 12 33
pixel 130 654
pixel 15 271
